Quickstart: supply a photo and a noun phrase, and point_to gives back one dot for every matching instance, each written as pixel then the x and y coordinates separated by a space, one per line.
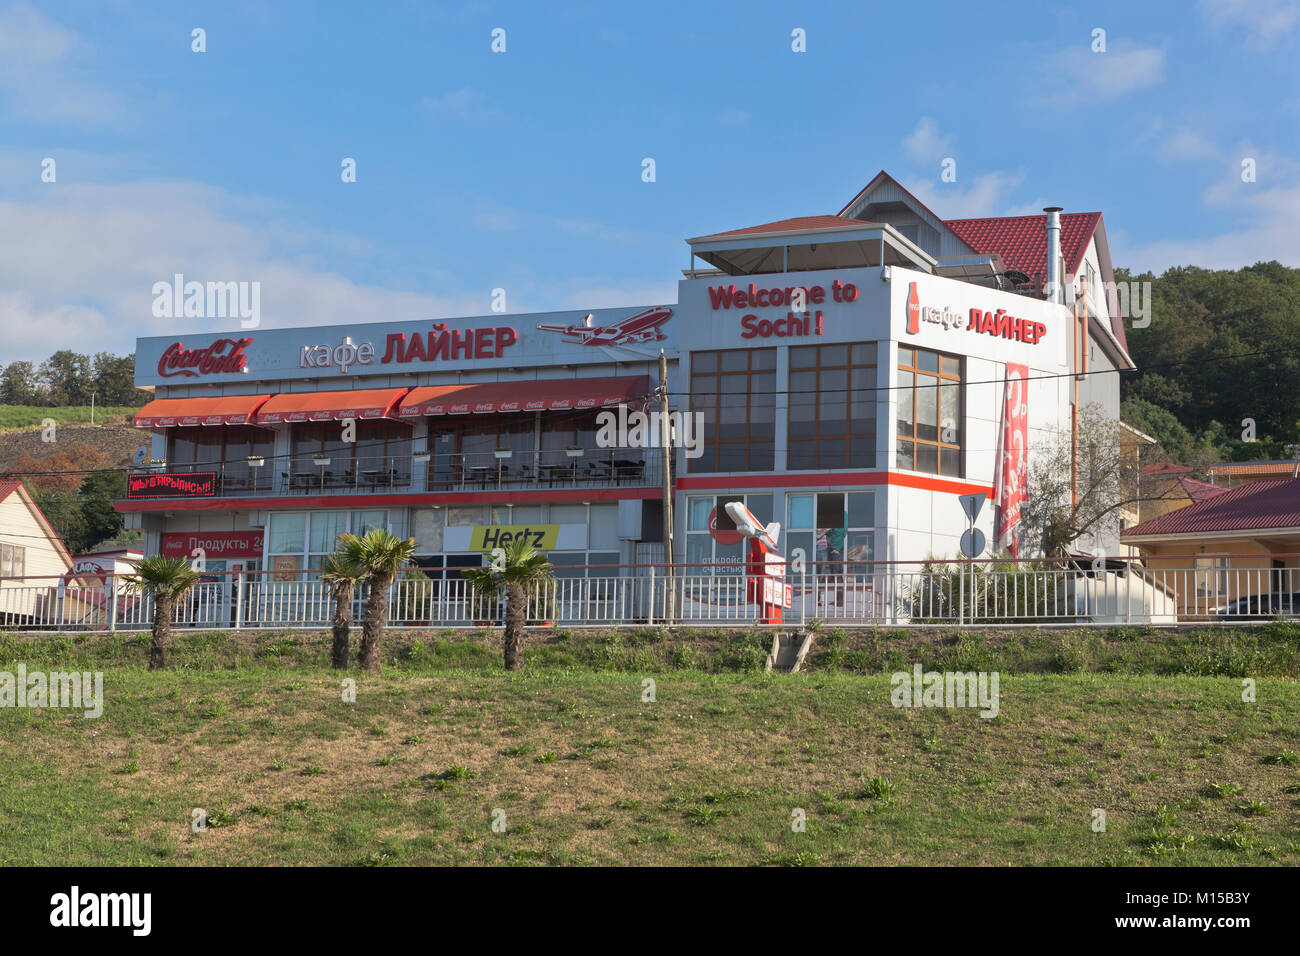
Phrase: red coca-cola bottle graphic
pixel 913 311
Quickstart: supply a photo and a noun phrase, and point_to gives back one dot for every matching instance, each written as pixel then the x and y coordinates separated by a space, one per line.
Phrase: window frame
pixel 939 380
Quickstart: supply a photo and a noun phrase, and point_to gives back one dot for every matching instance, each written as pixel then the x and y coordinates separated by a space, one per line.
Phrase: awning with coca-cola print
pixel 545 395
pixel 216 410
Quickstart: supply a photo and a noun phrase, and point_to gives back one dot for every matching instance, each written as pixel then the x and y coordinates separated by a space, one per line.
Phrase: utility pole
pixel 665 440
pixel 92 408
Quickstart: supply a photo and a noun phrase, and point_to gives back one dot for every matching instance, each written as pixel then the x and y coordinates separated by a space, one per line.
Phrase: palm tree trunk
pixel 342 624
pixel 516 608
pixel 163 609
pixel 372 626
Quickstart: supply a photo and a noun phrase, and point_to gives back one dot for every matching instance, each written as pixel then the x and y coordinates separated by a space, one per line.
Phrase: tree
pixel 114 380
pixel 1062 510
pixel 67 378
pixel 98 492
pixel 343 571
pixel 380 555
pixel 19 385
pixel 166 580
pixel 520 569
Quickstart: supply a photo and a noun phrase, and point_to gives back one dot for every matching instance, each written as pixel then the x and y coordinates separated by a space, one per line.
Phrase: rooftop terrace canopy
pixel 809 243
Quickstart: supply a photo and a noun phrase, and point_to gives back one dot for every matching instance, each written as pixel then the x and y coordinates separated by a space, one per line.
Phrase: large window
pixel 381 453
pixel 1211 576
pixel 711 535
pixel 833 529
pixel 735 391
pixel 299 540
pixel 832 406
pixel 225 450
pixel 13 561
pixel 929 412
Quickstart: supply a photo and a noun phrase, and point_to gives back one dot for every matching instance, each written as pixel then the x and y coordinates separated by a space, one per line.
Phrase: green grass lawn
pixel 24 416
pixel 714 770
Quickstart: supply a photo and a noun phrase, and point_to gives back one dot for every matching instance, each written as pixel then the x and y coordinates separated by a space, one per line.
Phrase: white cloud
pixel 1266 22
pixel 925 144
pixel 43 75
pixel 1266 211
pixel 1186 144
pixel 985 196
pixel 463 104
pixel 1078 75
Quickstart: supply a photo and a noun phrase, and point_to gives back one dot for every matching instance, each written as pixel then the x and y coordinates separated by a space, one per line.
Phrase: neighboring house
pixel 33 558
pixel 1233 473
pixel 1132 442
pixel 1168 487
pixel 1231 543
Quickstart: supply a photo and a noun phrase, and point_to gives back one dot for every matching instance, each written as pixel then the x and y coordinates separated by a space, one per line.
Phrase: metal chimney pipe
pixel 1055 291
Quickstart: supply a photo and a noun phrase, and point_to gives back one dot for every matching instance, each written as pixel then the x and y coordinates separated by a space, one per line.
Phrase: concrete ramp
pixel 789 648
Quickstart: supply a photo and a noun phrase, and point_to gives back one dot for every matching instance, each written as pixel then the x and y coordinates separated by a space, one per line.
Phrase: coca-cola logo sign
pixel 222 357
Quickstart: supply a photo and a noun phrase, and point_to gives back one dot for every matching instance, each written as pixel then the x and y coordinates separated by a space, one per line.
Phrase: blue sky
pixel 522 170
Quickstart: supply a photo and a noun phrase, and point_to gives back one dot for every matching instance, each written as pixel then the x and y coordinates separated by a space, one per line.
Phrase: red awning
pixel 220 410
pixel 547 395
pixel 329 406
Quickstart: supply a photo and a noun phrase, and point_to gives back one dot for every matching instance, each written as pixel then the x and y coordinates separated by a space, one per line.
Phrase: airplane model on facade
pixel 642 327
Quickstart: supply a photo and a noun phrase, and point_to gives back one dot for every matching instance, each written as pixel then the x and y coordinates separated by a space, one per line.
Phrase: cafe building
pixel 852 375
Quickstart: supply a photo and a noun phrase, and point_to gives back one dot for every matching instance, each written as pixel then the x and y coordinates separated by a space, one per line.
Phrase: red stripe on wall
pixel 317 502
pixel 828 479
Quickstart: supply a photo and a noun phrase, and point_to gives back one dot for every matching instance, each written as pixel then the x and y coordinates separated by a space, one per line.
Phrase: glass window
pixel 928 399
pixel 697 512
pixel 288 532
pixel 604 526
pixel 735 393
pixel 326 526
pixel 526 514
pixel 363 522
pixel 568 514
pixel 467 516
pixel 426 529
pixel 832 407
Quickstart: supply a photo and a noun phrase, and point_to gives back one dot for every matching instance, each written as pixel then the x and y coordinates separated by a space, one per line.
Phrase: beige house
pixel 33 560
pixel 1236 543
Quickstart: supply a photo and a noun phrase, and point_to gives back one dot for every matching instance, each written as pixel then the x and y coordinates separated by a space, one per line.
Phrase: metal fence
pixel 858 593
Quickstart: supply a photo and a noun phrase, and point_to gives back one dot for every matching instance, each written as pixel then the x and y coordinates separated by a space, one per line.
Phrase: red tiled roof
pixel 7 488
pixel 791 225
pixel 1260 505
pixel 1021 241
pixel 1281 468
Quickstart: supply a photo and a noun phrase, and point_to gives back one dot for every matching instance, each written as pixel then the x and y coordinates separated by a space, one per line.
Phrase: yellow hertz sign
pixel 542 537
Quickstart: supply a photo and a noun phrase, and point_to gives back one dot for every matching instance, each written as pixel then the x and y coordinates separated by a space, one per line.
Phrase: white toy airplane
pixel 750 526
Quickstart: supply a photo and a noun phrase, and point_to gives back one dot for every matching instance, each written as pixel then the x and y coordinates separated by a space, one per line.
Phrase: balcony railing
pixel 520 470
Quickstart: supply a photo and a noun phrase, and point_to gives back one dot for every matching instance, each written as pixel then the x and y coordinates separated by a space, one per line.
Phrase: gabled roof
pixel 797 224
pixel 8 488
pixel 1267 505
pixel 875 180
pixel 1022 240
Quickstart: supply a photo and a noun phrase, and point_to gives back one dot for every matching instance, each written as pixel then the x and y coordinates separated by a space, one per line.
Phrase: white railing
pixel 883 593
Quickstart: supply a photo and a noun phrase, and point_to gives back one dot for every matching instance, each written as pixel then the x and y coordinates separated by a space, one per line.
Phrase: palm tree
pixel 516 574
pixel 165 580
pixel 380 555
pixel 342 571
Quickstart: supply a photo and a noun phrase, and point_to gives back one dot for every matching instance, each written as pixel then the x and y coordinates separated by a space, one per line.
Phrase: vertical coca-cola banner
pixel 1012 479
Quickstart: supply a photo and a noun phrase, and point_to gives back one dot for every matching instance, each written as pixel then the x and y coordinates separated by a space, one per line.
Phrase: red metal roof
pixel 1166 468
pixel 1021 241
pixel 7 488
pixel 329 406
pixel 1200 490
pixel 215 410
pixel 790 225
pixel 544 395
pixel 1259 506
